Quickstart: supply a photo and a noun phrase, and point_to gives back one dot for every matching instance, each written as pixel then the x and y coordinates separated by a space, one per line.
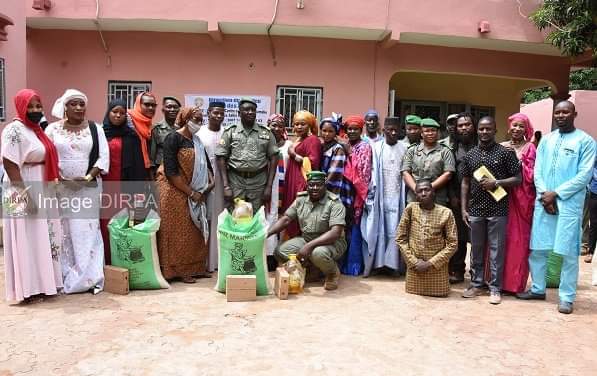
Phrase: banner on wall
pixel 231 117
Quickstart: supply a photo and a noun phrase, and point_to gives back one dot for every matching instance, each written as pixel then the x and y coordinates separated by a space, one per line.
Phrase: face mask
pixel 193 127
pixel 35 116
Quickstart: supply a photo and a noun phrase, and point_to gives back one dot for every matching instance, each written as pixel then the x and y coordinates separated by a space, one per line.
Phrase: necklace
pixel 517 144
pixel 74 128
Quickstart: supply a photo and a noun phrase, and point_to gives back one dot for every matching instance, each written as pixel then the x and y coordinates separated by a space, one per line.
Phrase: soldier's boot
pixel 331 280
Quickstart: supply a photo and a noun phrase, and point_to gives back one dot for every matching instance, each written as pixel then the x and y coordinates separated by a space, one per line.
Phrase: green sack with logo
pixel 241 249
pixel 136 249
pixel 554 269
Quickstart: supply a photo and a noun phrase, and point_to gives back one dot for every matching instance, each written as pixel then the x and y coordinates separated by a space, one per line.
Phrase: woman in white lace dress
pixel 83 156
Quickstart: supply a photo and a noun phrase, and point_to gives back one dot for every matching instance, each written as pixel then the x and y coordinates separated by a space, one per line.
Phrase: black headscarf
pixel 132 165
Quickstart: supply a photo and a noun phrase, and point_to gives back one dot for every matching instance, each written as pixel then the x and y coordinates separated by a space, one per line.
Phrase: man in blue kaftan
pixel 563 169
pixel 385 202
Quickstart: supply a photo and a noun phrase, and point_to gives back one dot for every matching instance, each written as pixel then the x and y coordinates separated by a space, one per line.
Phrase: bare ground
pixel 368 326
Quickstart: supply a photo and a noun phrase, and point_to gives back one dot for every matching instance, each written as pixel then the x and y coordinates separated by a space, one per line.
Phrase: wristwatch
pixel 497 183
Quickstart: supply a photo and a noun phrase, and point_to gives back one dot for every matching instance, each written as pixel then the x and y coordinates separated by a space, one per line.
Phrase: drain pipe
pixel 269 36
pixel 99 30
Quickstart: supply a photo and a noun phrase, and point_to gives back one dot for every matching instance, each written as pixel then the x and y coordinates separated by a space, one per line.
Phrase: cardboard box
pixel 241 288
pixel 281 283
pixel 116 280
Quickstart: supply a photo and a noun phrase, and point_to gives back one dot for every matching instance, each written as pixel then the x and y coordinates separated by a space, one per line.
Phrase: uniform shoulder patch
pixel 303 193
pixel 333 196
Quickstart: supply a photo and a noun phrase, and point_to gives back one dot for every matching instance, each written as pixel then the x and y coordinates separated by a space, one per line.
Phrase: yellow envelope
pixel 498 193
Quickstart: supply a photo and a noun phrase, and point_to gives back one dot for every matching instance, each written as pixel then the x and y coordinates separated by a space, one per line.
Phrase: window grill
pixel 291 99
pixel 127 90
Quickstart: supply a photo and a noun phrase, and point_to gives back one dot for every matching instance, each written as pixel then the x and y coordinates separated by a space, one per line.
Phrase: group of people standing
pixel 344 194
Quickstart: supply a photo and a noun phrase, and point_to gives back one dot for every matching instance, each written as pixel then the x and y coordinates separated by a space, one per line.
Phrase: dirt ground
pixel 368 326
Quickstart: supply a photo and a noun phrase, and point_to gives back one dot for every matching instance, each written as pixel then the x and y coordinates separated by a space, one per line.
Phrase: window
pixel 440 110
pixel 127 90
pixel 2 92
pixel 291 99
pixel 480 111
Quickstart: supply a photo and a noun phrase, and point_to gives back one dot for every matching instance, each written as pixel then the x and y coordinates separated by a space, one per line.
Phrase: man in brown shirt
pixel 427 239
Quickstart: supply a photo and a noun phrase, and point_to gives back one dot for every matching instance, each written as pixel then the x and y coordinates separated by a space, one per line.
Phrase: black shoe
pixel 565 308
pixel 529 295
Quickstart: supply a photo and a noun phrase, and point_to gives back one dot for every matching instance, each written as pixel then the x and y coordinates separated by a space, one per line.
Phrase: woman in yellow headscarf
pixel 303 155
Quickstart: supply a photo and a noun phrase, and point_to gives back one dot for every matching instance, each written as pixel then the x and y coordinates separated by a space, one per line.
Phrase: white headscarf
pixel 60 105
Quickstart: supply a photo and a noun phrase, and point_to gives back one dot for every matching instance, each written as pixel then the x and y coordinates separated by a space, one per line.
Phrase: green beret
pixel 246 100
pixel 316 175
pixel 413 119
pixel 429 123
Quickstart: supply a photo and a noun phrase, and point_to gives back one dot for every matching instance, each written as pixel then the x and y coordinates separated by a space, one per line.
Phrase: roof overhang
pixel 480 43
pixel 108 24
pixel 333 32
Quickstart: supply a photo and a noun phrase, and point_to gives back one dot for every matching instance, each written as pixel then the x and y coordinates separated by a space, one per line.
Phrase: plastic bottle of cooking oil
pixel 296 275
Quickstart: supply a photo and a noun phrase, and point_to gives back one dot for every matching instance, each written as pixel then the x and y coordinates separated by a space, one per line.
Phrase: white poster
pixel 231 117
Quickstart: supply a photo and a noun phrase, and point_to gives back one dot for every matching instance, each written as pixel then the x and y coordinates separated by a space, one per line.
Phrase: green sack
pixel 241 249
pixel 554 269
pixel 136 249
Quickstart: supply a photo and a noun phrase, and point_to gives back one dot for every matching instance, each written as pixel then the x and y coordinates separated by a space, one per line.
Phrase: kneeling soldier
pixel 320 215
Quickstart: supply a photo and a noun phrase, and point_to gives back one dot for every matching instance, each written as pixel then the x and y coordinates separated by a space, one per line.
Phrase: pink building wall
pixel 540 112
pixel 14 52
pixel 179 64
pixel 442 17
pixel 354 75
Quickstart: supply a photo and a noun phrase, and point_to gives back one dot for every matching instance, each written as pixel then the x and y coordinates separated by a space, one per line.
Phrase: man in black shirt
pixel 466 139
pixel 486 217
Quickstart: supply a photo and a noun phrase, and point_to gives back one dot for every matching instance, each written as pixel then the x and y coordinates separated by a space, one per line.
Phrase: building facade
pixel 426 57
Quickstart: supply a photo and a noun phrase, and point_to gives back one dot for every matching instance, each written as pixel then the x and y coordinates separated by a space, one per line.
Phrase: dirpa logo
pixel 241 263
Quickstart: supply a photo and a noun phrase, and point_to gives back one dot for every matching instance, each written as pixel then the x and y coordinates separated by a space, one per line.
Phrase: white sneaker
pixel 495 297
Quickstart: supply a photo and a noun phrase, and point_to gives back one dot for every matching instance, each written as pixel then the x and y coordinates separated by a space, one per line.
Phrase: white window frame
pixel 2 90
pixel 312 93
pixel 130 88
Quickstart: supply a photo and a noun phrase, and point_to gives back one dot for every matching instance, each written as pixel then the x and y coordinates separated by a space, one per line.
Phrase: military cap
pixel 413 119
pixel 316 175
pixel 429 123
pixel 247 100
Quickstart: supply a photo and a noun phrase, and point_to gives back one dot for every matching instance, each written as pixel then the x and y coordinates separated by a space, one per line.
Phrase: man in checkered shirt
pixel 427 239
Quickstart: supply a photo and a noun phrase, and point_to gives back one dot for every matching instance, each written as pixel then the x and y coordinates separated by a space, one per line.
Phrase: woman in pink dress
pixel 32 235
pixel 520 206
pixel 306 146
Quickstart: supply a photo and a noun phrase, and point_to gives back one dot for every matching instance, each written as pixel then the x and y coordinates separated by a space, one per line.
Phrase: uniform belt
pixel 34 163
pixel 248 174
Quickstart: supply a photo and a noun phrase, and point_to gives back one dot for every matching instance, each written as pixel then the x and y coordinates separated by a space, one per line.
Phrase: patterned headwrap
pixel 308 118
pixel 335 120
pixel 278 118
pixel 356 120
pixel 528 127
pixel 185 114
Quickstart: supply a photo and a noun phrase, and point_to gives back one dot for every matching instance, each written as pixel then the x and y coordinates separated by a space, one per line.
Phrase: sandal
pixel 188 280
